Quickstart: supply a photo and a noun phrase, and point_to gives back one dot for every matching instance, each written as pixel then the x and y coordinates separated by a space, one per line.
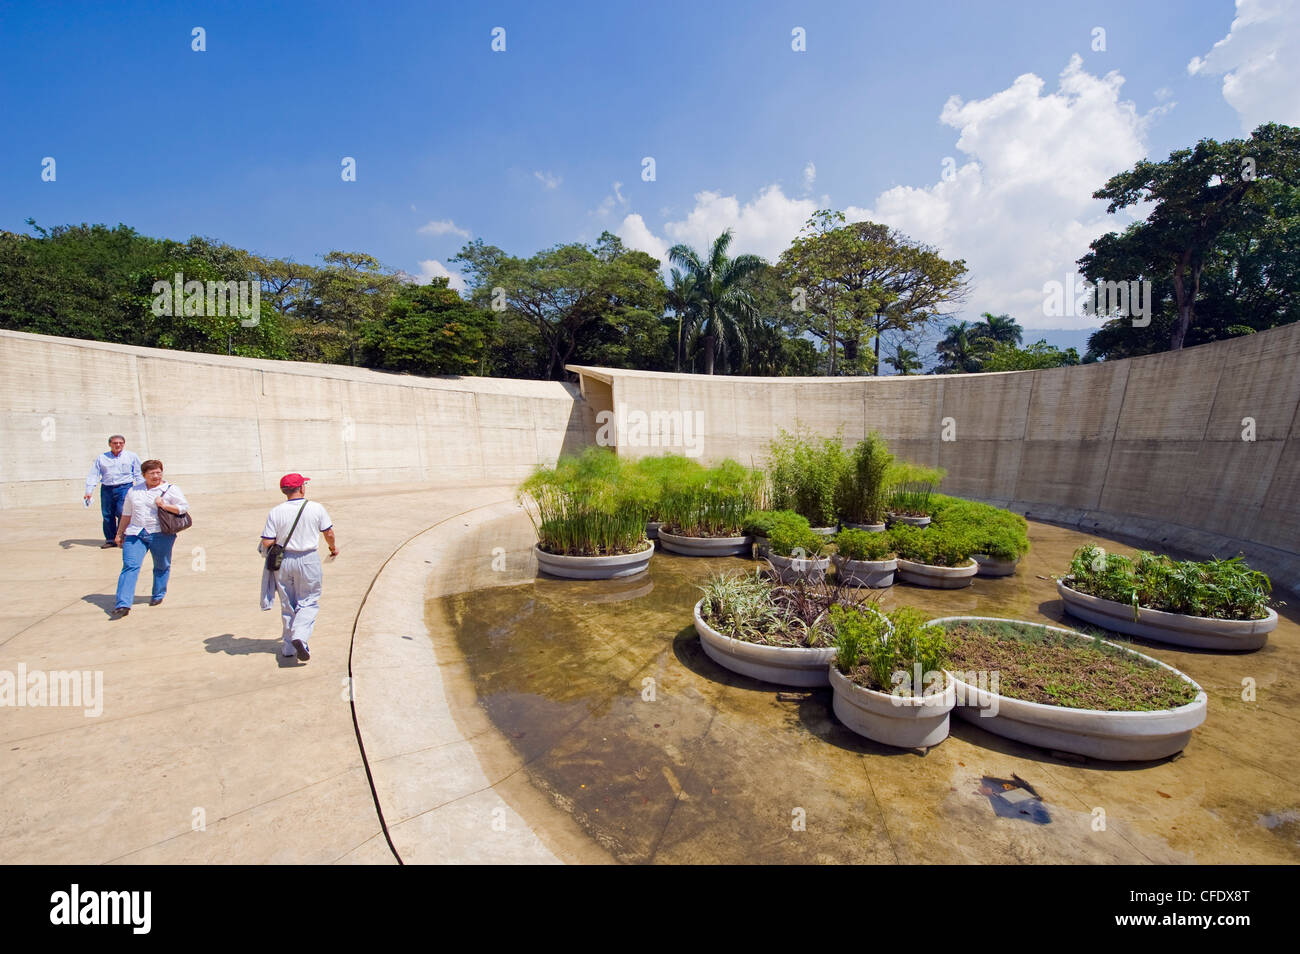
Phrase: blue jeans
pixel 133 550
pixel 110 505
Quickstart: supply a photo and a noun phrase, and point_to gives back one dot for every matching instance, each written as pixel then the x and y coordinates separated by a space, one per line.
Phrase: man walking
pixel 297 525
pixel 116 471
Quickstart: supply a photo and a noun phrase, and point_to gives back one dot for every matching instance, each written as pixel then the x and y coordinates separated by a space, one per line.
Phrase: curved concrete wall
pixel 227 424
pixel 1149 447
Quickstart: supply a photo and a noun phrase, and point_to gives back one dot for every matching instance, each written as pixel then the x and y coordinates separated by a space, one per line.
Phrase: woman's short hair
pixel 149 465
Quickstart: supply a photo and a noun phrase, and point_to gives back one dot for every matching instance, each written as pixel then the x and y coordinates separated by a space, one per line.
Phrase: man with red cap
pixel 296 525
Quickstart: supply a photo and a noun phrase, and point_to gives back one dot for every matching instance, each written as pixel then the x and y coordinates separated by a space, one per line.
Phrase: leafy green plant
pixel 712 502
pixel 790 538
pixel 934 545
pixel 804 474
pixel 592 504
pixel 1217 589
pixel 911 486
pixel 762 522
pixel 862 494
pixel 870 649
pixel 863 545
pixel 999 533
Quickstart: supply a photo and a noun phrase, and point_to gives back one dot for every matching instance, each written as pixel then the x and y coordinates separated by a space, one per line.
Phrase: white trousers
pixel 298 581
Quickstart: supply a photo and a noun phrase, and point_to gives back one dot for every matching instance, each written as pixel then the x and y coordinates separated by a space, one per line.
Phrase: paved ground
pixel 210 747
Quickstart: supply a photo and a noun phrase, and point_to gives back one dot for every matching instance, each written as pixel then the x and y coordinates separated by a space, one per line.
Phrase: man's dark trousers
pixel 110 505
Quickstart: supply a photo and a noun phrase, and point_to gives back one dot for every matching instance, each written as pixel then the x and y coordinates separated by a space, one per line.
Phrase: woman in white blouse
pixel 140 531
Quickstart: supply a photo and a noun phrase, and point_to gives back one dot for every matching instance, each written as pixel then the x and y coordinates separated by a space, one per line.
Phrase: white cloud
pixel 1019 210
pixel 637 235
pixel 1257 60
pixel 809 176
pixel 443 227
pixel 608 203
pixel 431 268
pixel 764 226
pixel 548 179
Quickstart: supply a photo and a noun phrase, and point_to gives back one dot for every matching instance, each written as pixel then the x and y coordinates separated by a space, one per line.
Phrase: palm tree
pixel 960 351
pixel 684 302
pixel 1001 329
pixel 723 302
pixel 904 360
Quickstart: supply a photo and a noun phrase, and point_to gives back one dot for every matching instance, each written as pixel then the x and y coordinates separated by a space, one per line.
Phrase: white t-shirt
pixel 139 503
pixel 314 522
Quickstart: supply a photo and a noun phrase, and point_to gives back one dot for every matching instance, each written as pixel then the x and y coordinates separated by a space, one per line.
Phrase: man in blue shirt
pixel 115 471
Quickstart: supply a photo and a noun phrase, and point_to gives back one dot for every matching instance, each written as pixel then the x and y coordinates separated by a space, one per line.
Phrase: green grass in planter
pixel 762 521
pixel 911 486
pixel 662 472
pixel 933 545
pixel 592 504
pixel 804 474
pixel 862 545
pixel 870 651
pixel 1218 589
pixel 862 494
pixel 1037 665
pixel 713 502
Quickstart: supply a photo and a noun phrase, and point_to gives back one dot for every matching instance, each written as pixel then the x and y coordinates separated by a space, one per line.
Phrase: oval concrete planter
pixel 868 527
pixel 992 566
pixel 1199 632
pixel 790 569
pixel 825 531
pixel 593 567
pixel 652 529
pixel 905 722
pixel 910 521
pixel 782 665
pixel 937 577
pixel 876 574
pixel 1095 733
pixel 706 546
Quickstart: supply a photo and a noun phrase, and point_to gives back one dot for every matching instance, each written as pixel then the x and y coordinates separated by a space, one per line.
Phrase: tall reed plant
pixel 804 474
pixel 863 489
pixel 592 504
pixel 712 502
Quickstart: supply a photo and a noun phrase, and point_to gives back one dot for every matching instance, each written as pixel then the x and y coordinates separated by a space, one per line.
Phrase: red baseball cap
pixel 293 480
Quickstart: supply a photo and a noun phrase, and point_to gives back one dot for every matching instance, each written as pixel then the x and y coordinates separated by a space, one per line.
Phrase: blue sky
pixel 243 142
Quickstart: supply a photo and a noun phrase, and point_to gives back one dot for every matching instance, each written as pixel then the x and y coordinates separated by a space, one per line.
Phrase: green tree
pixel 1007 357
pixel 999 329
pixel 863 279
pixel 428 329
pixel 903 360
pixel 1197 196
pixel 351 289
pixel 959 351
pixel 724 301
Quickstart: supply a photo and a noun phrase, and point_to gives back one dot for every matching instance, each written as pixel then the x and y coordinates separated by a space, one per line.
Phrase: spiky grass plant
pixel 712 502
pixel 911 486
pixel 592 504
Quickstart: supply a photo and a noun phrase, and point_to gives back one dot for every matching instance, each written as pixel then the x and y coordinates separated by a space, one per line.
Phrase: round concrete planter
pixel 1175 628
pixel 937 577
pixel 782 665
pixel 910 521
pixel 1094 733
pixel 706 546
pixel 992 566
pixel 868 527
pixel 790 569
pixel 652 529
pixel 593 567
pixel 876 574
pixel 825 531
pixel 905 722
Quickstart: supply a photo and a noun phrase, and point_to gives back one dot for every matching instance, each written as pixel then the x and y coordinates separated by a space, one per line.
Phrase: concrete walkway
pixel 210 747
